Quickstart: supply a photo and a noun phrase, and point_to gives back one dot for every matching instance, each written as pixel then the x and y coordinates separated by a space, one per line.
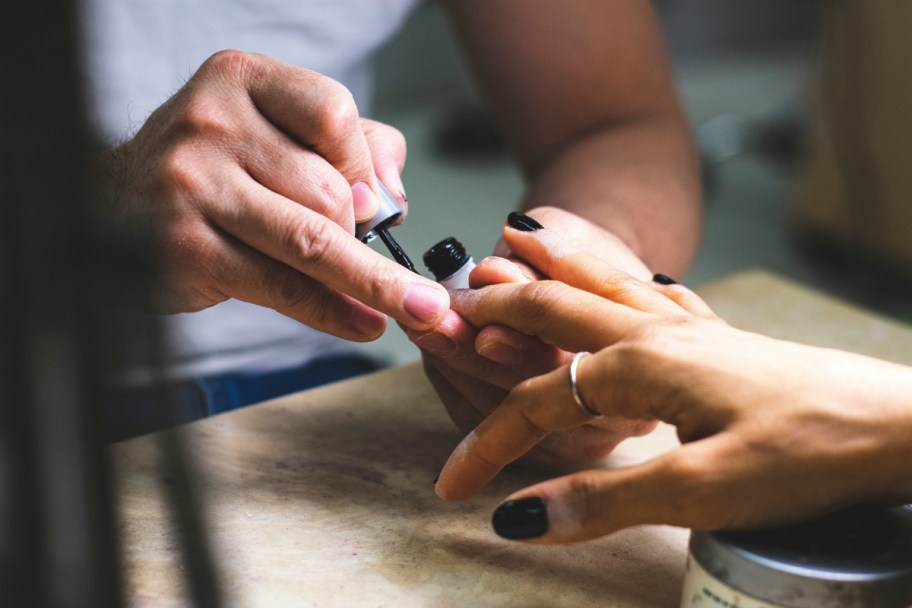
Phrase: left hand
pixel 773 432
pixel 472 369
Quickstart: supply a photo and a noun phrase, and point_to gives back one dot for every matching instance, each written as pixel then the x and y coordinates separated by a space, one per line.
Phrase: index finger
pixel 532 411
pixel 558 314
pixel 323 250
pixel 560 259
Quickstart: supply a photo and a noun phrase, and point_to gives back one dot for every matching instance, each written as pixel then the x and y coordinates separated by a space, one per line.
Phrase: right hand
pixel 252 178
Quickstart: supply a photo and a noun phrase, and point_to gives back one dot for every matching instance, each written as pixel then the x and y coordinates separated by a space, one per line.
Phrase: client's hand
pixel 472 370
pixel 772 431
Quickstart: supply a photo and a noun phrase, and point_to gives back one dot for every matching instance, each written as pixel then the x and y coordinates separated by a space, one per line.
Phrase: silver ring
pixel 574 364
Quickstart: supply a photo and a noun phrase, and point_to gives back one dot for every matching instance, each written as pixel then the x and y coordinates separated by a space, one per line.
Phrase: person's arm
pixel 772 432
pixel 251 179
pixel 585 98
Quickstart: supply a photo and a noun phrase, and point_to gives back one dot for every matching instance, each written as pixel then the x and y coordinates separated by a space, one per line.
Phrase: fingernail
pixel 425 303
pixel 364 201
pixel 523 518
pixel 523 222
pixel 436 344
pixel 368 322
pixel 500 352
pixel 661 279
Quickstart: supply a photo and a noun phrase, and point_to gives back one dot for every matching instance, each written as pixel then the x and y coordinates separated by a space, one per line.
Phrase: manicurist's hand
pixel 252 178
pixel 771 431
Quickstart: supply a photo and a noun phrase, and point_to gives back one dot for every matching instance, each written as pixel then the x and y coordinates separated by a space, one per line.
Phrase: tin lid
pixel 860 557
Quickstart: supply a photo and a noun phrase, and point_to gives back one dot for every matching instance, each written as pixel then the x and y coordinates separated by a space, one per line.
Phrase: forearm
pixel 585 98
pixel 638 180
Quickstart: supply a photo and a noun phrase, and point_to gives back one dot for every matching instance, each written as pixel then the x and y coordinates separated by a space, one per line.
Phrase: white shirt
pixel 140 52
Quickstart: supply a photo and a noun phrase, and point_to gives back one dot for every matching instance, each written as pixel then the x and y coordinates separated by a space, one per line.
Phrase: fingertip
pixel 365 202
pixel 521 518
pixel 425 305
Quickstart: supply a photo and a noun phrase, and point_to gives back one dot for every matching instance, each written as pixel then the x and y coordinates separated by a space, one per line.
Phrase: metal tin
pixel 858 558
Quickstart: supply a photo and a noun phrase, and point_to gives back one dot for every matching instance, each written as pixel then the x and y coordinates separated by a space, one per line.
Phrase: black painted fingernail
pixel 523 222
pixel 661 279
pixel 523 518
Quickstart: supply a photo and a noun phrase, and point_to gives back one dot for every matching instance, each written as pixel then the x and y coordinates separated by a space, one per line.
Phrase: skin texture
pixel 584 96
pixel 772 432
pixel 251 178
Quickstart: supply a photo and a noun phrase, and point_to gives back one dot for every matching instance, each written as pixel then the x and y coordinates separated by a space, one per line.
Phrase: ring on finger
pixel 574 387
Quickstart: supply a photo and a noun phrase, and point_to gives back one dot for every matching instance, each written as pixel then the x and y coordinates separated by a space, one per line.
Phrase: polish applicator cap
pixel 387 213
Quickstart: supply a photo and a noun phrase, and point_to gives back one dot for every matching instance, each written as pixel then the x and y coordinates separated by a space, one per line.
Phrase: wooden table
pixel 325 498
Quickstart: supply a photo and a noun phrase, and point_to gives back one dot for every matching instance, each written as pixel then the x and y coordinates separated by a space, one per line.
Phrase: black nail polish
pixel 523 222
pixel 523 518
pixel 661 279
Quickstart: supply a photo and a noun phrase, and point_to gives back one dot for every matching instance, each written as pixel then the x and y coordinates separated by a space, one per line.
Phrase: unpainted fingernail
pixel 523 518
pixel 425 303
pixel 367 322
pixel 523 222
pixel 436 344
pixel 502 353
pixel 662 279
pixel 364 201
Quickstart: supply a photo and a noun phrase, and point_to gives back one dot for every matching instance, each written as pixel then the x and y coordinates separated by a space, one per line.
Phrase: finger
pixel 690 487
pixel 314 110
pixel 453 341
pixel 532 411
pixel 684 297
pixel 557 314
pixel 493 270
pixel 559 259
pixel 319 248
pixel 235 270
pixel 388 151
pixel 273 160
pixel 509 347
pixel 468 401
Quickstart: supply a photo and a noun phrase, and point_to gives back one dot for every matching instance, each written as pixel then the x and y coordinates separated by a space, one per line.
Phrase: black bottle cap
pixel 445 258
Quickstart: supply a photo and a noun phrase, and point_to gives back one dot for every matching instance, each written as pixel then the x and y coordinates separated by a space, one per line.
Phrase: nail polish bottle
pixel 449 263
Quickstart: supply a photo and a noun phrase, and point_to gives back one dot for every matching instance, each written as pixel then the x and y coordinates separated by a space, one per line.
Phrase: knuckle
pixel 330 195
pixel 310 241
pixel 337 116
pixel 230 64
pixel 290 292
pixel 692 482
pixel 539 296
pixel 180 176
pixel 585 488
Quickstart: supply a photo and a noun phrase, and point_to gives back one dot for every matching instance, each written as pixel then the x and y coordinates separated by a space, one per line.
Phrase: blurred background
pixel 749 74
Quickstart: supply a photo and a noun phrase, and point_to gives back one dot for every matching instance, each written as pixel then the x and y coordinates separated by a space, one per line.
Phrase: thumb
pixel 675 489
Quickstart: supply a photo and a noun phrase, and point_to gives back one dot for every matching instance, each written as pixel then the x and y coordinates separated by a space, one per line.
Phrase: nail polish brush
pixel 387 213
